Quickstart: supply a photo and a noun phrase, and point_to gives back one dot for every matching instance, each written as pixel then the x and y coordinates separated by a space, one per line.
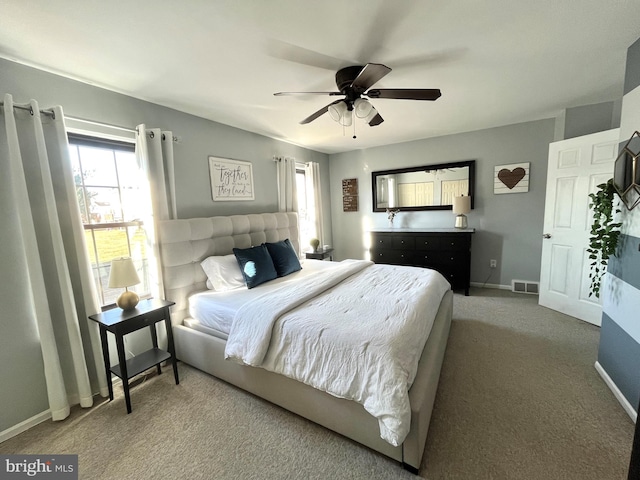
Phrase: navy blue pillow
pixel 255 264
pixel 284 257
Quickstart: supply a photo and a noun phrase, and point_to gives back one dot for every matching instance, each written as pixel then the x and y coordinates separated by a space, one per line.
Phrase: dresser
pixel 447 250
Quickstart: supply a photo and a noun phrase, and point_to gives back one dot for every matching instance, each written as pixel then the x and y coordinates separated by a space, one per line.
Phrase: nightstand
pixel 320 254
pixel 121 322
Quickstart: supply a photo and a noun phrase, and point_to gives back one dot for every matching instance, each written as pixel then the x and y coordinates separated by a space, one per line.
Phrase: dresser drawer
pixel 427 259
pixel 392 257
pixel 455 242
pixel 404 242
pixel 382 241
pixel 457 277
pixel 451 258
pixel 428 242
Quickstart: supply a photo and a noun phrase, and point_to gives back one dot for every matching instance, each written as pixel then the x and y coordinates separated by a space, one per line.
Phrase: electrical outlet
pixel 493 263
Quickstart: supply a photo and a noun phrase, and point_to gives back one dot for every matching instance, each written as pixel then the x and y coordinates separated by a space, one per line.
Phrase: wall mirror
pixel 427 187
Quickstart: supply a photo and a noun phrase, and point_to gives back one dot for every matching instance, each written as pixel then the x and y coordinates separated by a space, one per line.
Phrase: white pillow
pixel 223 273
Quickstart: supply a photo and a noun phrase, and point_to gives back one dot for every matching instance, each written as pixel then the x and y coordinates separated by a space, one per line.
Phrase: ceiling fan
pixel 355 84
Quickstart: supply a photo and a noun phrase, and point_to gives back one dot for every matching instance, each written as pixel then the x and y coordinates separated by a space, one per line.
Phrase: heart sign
pixel 511 177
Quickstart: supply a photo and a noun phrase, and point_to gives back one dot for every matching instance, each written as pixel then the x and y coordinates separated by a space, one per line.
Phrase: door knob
pixel 546 235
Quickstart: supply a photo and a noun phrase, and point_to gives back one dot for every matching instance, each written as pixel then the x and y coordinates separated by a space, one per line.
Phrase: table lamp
pixel 123 274
pixel 461 205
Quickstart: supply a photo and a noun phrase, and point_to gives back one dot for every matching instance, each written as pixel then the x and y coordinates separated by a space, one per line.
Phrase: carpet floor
pixel 519 398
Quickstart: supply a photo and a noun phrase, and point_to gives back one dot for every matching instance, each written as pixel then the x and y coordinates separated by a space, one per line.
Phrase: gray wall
pixel 21 371
pixel 619 349
pixel 508 227
pixel 587 119
pixel 199 138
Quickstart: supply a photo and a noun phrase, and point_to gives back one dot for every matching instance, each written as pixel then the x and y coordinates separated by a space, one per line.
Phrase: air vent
pixel 525 286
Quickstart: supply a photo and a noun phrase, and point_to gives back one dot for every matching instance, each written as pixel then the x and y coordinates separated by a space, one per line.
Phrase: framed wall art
pixel 231 180
pixel 350 195
pixel 512 178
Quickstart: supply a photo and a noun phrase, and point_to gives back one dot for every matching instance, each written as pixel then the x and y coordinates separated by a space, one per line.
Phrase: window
pixel 108 187
pixel 306 206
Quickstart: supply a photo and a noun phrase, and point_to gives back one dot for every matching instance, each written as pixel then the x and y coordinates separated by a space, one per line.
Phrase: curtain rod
pixel 117 127
pixel 278 158
pixel 82 120
pixel 30 109
pixel 101 124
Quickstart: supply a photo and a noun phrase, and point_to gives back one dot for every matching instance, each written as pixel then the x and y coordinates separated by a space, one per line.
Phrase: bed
pixel 206 345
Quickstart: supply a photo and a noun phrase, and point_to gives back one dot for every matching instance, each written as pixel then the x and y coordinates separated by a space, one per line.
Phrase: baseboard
pixel 617 393
pixel 24 426
pixel 491 285
pixel 46 415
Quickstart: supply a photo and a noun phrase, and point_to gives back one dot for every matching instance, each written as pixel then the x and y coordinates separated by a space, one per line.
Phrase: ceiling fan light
pixel 347 118
pixel 362 107
pixel 337 110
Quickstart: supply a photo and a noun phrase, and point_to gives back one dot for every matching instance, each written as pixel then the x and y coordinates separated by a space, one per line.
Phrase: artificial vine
pixel 604 234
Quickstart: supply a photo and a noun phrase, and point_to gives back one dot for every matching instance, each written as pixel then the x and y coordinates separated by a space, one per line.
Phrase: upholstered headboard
pixel 185 243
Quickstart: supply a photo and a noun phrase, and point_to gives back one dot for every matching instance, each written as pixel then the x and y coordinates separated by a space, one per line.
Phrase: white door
pixel 576 167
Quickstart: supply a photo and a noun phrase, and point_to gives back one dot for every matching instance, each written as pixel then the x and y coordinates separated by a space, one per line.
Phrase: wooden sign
pixel 350 186
pixel 350 195
pixel 231 180
pixel 513 178
pixel 349 203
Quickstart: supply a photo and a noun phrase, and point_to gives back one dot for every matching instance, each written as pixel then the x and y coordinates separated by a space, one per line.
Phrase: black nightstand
pixel 320 254
pixel 119 322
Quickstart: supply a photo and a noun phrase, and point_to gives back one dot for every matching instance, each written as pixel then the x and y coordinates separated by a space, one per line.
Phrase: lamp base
pixel 461 221
pixel 128 300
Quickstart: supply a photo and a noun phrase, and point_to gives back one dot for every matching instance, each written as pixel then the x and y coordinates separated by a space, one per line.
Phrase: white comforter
pixel 356 332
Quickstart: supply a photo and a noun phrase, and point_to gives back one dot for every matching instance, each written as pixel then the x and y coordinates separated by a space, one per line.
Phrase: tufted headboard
pixel 185 243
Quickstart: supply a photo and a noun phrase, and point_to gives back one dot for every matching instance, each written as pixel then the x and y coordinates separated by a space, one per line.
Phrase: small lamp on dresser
pixel 123 274
pixel 461 206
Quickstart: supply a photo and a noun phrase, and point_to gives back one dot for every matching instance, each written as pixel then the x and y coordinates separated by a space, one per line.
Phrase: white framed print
pixel 512 178
pixel 231 180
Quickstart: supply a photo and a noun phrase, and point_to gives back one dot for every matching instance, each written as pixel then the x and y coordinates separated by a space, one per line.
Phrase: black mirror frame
pixel 467 163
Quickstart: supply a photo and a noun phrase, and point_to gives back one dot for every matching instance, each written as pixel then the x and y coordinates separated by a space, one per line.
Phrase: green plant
pixel 604 234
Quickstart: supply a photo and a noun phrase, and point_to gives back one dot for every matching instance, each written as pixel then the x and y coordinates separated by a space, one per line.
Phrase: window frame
pixel 76 140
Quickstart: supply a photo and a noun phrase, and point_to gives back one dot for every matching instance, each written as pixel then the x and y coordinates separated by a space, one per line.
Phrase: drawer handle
pixel 451 258
pixel 402 256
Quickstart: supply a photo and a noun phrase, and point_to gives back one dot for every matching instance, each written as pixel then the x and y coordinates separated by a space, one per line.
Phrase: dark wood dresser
pixel 447 250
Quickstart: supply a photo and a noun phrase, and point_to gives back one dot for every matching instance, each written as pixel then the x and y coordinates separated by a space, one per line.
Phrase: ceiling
pixel 497 62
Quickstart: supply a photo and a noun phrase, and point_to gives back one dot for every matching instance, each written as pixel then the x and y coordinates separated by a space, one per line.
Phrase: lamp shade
pixel 461 205
pixel 362 107
pixel 337 110
pixel 347 118
pixel 123 273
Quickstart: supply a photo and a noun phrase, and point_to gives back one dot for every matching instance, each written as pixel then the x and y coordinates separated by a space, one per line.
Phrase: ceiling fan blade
pixel 319 113
pixel 377 120
pixel 370 74
pixel 293 53
pixel 387 20
pixel 405 93
pixel 281 94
